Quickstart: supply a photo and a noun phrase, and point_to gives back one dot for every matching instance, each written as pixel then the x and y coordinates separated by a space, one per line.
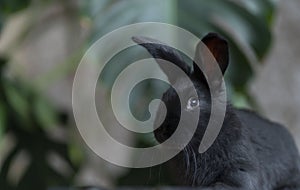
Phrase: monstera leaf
pixel 248 30
pixel 245 24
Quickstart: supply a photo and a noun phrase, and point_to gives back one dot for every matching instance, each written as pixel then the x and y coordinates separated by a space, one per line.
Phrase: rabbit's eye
pixel 192 103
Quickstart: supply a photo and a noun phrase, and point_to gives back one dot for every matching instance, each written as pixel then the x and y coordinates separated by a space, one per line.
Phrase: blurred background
pixel 42 42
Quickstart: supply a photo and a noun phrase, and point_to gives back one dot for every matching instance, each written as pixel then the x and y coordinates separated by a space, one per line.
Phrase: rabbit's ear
pixel 161 51
pixel 217 47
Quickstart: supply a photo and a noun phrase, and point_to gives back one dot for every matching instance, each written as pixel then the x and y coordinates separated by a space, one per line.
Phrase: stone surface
pixel 276 87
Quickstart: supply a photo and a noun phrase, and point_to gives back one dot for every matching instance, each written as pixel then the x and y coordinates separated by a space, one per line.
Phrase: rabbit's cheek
pixel 165 131
pixel 162 134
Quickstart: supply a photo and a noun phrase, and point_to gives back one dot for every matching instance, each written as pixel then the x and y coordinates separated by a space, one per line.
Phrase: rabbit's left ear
pixel 161 51
pixel 212 46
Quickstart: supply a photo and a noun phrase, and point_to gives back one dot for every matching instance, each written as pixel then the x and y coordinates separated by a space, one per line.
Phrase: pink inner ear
pixel 215 48
pixel 219 48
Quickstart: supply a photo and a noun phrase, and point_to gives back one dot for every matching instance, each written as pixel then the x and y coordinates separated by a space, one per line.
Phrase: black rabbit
pixel 249 153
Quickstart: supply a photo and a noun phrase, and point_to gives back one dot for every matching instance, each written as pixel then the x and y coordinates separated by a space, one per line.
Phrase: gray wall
pixel 276 86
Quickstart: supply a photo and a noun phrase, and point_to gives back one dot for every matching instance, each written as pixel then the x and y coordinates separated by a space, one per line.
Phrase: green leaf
pixel 45 114
pixel 18 102
pixel 3 116
pixel 11 6
pixel 110 15
pixel 262 9
pixel 76 153
pixel 249 21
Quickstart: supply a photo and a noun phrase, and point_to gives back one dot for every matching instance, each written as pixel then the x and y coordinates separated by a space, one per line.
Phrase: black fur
pixel 249 153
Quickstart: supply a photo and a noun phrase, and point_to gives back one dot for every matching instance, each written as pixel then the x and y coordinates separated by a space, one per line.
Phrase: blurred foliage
pixel 246 25
pixel 10 6
pixel 26 114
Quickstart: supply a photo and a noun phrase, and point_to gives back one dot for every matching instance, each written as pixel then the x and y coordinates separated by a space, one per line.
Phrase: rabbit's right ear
pixel 212 48
pixel 161 51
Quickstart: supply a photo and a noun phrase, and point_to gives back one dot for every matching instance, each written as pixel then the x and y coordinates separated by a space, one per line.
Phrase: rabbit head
pixel 174 105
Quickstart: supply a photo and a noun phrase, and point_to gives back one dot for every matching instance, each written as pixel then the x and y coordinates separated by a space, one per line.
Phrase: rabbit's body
pixel 249 153
pixel 274 150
